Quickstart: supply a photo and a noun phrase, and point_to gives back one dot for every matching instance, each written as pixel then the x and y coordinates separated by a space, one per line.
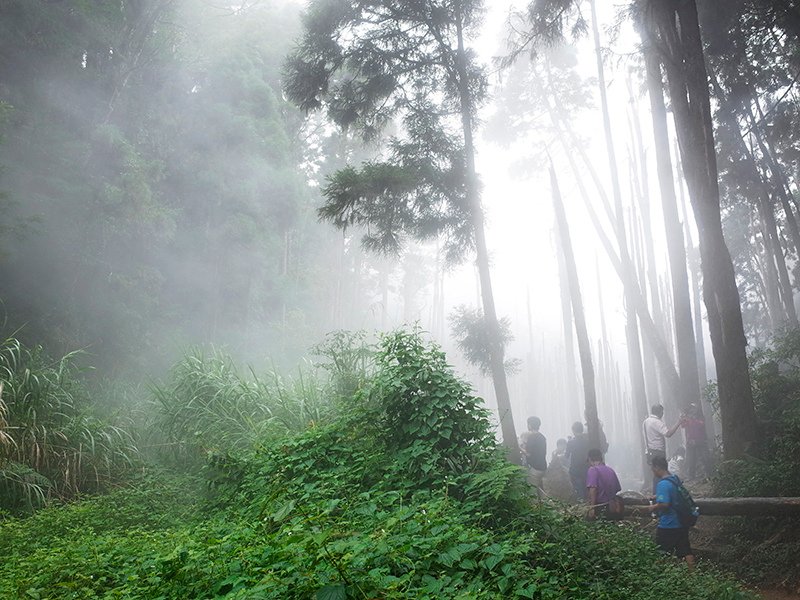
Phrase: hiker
pixel 533 445
pixel 557 483
pixel 602 484
pixel 694 427
pixel 577 451
pixel 656 433
pixel 671 536
pixel 559 454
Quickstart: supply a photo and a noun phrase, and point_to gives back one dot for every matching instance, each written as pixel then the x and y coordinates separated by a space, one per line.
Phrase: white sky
pixel 520 225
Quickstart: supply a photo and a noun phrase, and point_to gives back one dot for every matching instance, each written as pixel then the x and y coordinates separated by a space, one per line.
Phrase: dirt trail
pixel 773 594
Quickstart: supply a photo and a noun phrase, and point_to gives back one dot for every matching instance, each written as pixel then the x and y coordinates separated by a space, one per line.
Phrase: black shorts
pixel 674 541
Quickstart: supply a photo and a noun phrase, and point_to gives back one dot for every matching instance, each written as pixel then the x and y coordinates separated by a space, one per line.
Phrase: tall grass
pixel 51 445
pixel 208 405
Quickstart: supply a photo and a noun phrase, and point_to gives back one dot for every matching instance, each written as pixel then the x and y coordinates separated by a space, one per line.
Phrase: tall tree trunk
pixel 622 264
pixel 653 384
pixel 584 346
pixel 570 376
pixel 679 34
pixel 384 283
pixel 496 358
pixel 770 277
pixel 676 251
pixel 693 262
pixel 776 260
pixel 632 325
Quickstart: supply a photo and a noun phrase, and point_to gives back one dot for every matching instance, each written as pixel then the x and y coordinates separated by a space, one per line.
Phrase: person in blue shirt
pixel 671 537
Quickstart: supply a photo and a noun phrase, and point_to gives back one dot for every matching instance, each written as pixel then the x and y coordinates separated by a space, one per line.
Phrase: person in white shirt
pixel 656 433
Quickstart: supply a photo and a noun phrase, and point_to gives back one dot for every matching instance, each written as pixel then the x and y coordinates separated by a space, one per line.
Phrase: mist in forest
pixel 161 190
pixel 150 168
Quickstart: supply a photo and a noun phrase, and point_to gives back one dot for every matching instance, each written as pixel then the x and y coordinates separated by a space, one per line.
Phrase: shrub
pixel 51 445
pixel 385 500
pixel 207 405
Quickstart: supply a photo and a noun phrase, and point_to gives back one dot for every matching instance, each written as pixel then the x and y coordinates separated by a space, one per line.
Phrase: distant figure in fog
pixel 533 445
pixel 558 455
pixel 602 484
pixel 694 427
pixel 577 452
pixel 557 483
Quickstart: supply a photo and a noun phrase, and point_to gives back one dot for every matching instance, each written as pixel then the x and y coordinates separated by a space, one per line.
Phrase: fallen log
pixel 743 507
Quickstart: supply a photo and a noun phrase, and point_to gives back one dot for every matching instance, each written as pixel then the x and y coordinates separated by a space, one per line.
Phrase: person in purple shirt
pixel 602 484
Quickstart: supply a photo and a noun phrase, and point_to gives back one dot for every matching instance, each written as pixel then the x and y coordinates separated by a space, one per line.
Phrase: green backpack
pixel 685 505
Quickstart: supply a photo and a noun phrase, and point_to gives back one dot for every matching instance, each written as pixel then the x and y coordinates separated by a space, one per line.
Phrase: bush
pixel 386 500
pixel 209 406
pixel 765 550
pixel 51 444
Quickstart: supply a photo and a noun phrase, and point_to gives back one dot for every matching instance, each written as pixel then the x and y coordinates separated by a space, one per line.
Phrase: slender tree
pixel 676 249
pixel 584 346
pixel 367 63
pixel 673 26
pixel 677 33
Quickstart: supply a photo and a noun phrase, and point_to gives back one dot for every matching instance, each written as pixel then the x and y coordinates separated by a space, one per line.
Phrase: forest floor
pixel 775 594
pixel 711 541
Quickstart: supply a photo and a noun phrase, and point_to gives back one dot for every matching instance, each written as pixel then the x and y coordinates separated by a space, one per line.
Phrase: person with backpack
pixel 676 512
pixel 533 445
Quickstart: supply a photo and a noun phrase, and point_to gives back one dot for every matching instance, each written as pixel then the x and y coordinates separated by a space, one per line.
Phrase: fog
pixel 162 192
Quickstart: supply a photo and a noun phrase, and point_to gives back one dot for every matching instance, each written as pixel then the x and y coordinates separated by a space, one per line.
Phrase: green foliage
pixel 418 192
pixel 473 338
pixel 347 356
pixel 51 445
pixel 150 142
pixel 386 500
pixel 367 64
pixel 772 468
pixel 764 551
pixel 208 406
pixel 104 533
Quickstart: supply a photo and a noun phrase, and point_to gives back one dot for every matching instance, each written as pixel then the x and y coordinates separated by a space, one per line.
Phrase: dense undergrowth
pixel 766 551
pixel 398 492
pixel 52 444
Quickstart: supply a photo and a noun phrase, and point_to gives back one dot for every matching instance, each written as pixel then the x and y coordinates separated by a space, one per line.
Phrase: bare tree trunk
pixel 496 358
pixel 384 283
pixel 653 384
pixel 682 315
pixel 570 380
pixel 584 346
pixel 693 263
pixel 679 34
pixel 632 325
pixel 775 263
pixel 769 277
